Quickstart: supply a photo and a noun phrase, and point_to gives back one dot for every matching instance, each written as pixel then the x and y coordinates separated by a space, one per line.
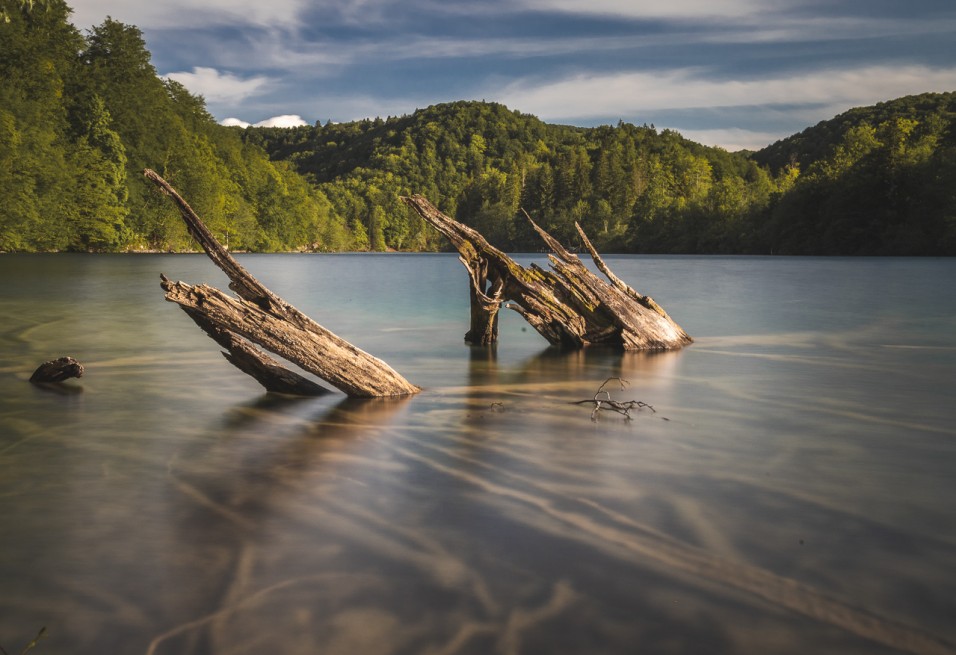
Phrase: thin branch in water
pixel 602 401
pixel 29 646
pixel 33 643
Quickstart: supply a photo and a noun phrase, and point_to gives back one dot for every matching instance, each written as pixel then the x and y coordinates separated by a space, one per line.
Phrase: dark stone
pixel 57 370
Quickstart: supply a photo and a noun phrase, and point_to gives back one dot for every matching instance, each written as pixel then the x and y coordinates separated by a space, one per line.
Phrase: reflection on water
pixel 796 499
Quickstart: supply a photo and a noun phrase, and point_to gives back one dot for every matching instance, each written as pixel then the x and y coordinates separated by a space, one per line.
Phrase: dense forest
pixel 876 180
pixel 632 188
pixel 82 115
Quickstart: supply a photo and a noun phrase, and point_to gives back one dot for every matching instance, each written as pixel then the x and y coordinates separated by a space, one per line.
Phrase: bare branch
pixel 602 400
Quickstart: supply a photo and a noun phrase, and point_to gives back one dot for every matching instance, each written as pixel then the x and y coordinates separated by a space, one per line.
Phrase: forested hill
pixel 632 188
pixel 875 180
pixel 933 113
pixel 82 115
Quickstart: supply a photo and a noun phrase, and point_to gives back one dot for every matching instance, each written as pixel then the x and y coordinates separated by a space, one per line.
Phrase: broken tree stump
pixel 261 317
pixel 568 305
pixel 57 370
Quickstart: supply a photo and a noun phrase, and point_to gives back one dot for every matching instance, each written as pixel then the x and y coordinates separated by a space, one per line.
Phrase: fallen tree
pixel 258 316
pixel 568 305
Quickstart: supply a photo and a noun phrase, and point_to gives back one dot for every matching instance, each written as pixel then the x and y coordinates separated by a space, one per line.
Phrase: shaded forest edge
pixel 82 115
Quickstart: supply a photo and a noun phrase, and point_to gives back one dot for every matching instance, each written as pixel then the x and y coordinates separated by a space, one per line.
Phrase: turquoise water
pixel 791 494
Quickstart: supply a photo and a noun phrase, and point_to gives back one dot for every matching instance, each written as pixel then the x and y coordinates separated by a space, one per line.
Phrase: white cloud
pixel 732 139
pixel 286 120
pixel 344 107
pixel 802 99
pixel 188 13
pixel 626 94
pixel 215 86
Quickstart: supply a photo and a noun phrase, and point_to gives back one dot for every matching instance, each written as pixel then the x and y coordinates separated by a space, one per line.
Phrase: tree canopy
pixel 82 115
pixel 632 188
pixel 875 180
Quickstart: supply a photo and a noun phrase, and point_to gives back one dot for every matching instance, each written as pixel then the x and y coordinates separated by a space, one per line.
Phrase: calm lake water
pixel 793 493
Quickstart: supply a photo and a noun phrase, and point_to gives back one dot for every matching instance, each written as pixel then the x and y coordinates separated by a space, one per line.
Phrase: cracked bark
pixel 568 305
pixel 259 316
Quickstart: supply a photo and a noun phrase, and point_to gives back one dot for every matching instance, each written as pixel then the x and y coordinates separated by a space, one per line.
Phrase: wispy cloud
pixel 216 86
pixel 672 9
pixel 624 94
pixel 188 13
pixel 324 58
pixel 288 49
pixel 729 72
pixel 732 139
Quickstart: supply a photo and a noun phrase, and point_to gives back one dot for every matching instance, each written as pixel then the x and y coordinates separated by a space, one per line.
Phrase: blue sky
pixel 733 73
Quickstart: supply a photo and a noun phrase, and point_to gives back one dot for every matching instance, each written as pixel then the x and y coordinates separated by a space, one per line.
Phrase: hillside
pixel 875 180
pixel 82 115
pixel 632 188
pixel 818 142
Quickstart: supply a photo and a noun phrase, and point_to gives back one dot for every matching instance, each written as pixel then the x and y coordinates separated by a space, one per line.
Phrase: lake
pixel 792 491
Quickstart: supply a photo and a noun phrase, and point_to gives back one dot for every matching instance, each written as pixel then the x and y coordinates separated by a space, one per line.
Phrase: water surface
pixel 792 493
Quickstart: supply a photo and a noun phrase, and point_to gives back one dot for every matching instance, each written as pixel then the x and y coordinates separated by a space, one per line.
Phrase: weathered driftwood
pixel 249 359
pixel 569 305
pixel 261 317
pixel 57 370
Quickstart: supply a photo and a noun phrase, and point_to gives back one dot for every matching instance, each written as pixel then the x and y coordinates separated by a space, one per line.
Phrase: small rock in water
pixel 57 370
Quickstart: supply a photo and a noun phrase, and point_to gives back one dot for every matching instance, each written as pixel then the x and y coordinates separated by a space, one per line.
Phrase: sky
pixel 731 73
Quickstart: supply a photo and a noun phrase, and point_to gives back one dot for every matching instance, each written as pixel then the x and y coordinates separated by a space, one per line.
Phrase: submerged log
pixel 259 316
pixel 568 305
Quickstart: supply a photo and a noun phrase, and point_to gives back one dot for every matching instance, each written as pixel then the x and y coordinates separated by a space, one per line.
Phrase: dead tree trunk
pixel 568 305
pixel 485 295
pixel 261 317
pixel 252 361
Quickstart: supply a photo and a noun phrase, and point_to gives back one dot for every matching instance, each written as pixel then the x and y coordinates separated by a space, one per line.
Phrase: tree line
pixel 632 188
pixel 877 180
pixel 82 115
